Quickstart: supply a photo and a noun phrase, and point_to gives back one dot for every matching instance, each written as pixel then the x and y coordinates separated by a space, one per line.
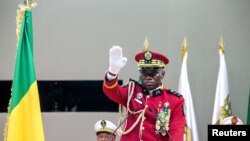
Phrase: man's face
pixel 151 77
pixel 103 136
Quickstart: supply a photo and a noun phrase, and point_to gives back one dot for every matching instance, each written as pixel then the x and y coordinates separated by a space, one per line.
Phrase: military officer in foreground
pixel 231 120
pixel 153 112
pixel 105 130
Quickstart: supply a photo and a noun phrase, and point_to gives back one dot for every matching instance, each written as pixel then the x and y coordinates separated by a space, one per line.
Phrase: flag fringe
pixel 19 19
pixel 7 120
pixel 20 15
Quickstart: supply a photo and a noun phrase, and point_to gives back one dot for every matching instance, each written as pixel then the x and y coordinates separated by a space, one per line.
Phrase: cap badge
pixel 103 123
pixel 148 55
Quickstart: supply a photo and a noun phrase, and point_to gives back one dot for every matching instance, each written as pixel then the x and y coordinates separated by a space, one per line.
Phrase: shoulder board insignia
pixel 174 92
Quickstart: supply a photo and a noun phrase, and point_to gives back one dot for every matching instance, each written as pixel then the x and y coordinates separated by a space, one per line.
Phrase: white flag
pixel 222 104
pixel 184 89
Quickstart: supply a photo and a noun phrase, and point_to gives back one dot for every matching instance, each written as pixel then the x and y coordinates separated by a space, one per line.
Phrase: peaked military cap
pixel 231 120
pixel 105 126
pixel 148 58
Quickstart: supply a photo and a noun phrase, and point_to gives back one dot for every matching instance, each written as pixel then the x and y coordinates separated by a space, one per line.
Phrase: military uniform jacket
pixel 150 105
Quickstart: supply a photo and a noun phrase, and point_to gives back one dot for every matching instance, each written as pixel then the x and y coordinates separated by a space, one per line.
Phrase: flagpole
pixel 222 102
pixel 191 132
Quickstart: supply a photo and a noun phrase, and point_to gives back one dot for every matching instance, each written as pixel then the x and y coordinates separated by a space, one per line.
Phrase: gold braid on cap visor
pixel 109 130
pixel 152 63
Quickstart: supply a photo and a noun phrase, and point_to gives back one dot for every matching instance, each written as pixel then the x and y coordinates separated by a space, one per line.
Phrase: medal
pixel 139 96
pixel 162 119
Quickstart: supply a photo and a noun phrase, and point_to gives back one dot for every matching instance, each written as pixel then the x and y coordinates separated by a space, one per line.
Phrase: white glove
pixel 116 60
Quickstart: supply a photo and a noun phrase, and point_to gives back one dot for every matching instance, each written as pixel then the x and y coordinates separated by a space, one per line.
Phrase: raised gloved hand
pixel 116 60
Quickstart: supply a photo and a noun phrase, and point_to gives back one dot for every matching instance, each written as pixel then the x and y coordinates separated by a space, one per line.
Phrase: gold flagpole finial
pixel 145 45
pixel 184 47
pixel 221 45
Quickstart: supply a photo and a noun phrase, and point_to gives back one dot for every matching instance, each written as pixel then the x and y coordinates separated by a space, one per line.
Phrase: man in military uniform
pixel 231 120
pixel 105 130
pixel 153 112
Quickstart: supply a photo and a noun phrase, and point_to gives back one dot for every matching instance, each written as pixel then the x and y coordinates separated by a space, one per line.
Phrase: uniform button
pixel 142 128
pixel 148 96
pixel 146 106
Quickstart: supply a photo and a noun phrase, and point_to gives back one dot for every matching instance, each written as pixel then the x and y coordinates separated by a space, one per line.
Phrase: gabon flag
pixel 191 132
pixel 24 122
pixel 222 102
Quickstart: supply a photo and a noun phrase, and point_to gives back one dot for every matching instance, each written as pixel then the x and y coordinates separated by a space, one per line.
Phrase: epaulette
pixel 174 93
